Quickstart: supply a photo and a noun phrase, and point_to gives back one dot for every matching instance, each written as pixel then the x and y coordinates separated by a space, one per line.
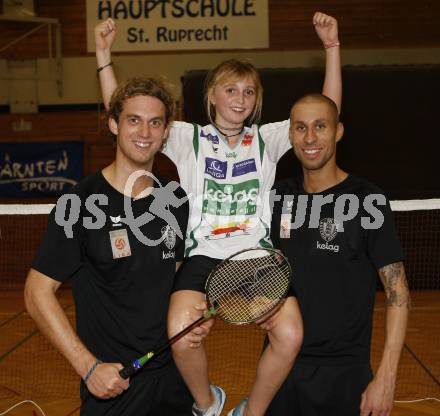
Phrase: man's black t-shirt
pixel 335 263
pixel 121 285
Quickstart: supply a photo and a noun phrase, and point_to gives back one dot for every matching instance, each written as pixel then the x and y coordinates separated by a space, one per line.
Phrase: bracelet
pixel 331 45
pixel 104 66
pixel 92 369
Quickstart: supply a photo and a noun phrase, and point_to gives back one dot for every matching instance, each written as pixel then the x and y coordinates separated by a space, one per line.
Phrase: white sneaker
pixel 239 410
pixel 216 408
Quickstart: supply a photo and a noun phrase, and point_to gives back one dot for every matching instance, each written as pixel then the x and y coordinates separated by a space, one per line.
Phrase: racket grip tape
pixel 136 365
pixel 127 371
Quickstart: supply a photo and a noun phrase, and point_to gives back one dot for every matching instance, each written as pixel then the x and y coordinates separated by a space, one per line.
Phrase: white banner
pixel 159 25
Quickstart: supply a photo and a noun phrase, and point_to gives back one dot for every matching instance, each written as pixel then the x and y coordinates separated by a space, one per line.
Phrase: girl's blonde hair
pixel 233 69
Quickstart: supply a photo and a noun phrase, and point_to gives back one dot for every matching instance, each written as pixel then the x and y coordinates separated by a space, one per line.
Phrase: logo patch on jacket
pixel 169 239
pixel 328 229
pixel 243 167
pixel 210 137
pixel 247 140
pixel 169 236
pixel 216 168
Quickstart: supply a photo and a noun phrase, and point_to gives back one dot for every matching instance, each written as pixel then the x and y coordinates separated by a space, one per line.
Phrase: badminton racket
pixel 243 288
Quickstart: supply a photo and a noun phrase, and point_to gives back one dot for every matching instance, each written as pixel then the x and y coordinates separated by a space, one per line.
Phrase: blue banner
pixel 39 169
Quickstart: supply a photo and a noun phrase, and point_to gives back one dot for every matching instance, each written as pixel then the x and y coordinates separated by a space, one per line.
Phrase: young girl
pixel 228 166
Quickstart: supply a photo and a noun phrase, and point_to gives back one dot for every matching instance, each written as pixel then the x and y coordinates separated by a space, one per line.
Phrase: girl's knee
pixel 293 337
pixel 287 336
pixel 181 314
pixel 182 310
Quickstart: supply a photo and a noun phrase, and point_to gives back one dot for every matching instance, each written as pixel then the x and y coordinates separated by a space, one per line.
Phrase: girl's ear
pixel 211 99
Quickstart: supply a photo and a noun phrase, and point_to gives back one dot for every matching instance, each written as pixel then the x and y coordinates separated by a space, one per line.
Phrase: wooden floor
pixel 71 408
pixel 31 369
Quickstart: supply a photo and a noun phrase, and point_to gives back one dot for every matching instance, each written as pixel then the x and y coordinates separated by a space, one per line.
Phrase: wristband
pixel 92 369
pixel 331 45
pixel 104 66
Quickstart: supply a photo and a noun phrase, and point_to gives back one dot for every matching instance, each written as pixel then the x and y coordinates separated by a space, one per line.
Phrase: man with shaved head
pixel 338 233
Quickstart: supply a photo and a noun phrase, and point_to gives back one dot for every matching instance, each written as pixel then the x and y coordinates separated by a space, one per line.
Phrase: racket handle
pixel 130 369
pixel 127 371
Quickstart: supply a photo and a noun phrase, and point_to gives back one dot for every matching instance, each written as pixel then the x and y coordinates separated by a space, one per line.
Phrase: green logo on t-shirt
pixel 230 199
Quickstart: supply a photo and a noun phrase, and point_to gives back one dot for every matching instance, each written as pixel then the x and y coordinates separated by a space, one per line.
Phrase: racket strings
pixel 243 290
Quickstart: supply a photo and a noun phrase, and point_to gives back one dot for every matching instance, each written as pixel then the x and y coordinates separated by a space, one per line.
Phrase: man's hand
pixel 326 28
pixel 105 382
pixel 377 399
pixel 197 334
pixel 105 33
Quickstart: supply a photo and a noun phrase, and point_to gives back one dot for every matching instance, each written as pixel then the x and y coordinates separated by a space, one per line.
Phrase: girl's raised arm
pixel 105 34
pixel 327 29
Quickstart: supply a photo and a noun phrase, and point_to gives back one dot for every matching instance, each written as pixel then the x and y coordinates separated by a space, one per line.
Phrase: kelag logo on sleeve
pixel 216 168
pixel 246 166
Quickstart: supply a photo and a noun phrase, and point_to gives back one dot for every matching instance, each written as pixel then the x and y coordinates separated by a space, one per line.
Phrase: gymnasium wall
pixel 365 24
pixel 373 32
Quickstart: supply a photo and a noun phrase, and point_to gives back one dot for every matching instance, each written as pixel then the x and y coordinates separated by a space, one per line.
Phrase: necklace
pixel 226 128
pixel 231 129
